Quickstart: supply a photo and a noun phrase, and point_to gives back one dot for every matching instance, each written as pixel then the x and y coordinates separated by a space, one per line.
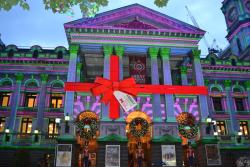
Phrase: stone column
pixel 169 101
pixel 247 85
pixel 184 79
pixel 230 107
pixel 69 97
pixel 107 50
pixel 14 102
pixel 41 102
pixel 198 75
pixel 119 51
pixel 153 52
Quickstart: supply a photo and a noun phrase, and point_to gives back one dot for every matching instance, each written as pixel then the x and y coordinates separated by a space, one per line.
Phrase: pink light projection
pixel 187 105
pixel 87 103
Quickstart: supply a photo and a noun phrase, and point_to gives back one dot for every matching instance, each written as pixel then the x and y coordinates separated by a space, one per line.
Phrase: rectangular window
pixel 221 127
pixel 30 99
pixel 56 100
pixel 26 126
pixel 52 128
pixel 2 124
pixel 217 103
pixel 239 104
pixel 4 99
pixel 244 128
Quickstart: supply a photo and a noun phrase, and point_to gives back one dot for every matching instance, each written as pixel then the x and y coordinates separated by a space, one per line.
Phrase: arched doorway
pixel 87 130
pixel 139 133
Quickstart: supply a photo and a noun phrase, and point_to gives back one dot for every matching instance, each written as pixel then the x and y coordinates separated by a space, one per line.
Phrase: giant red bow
pixel 107 87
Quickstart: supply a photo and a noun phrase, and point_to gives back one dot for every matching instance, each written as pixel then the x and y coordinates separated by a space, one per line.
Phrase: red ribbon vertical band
pixel 114 106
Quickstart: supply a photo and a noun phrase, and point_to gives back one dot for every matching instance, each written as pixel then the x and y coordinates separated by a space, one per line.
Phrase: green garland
pixel 81 124
pixel 144 127
pixel 188 132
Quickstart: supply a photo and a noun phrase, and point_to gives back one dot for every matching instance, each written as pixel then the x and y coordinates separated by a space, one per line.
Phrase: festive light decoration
pixel 139 127
pixel 87 125
pixel 186 125
pixel 106 88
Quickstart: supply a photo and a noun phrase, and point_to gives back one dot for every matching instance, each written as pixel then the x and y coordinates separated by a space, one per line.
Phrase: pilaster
pixel 41 102
pixel 71 77
pixel 14 102
pixel 153 52
pixel 199 80
pixel 230 107
pixel 167 79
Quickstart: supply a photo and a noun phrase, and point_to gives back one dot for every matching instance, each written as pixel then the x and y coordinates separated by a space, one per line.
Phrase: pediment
pixel 136 17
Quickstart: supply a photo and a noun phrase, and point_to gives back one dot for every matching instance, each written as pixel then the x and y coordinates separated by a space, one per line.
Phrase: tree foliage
pixel 88 7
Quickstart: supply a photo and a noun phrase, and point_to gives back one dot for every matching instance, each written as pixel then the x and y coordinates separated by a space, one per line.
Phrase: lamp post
pixel 210 122
pixel 67 118
pixel 7 135
pixel 36 136
pixel 58 120
pixel 239 136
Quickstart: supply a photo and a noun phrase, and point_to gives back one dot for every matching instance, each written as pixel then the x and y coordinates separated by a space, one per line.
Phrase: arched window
pixel 6 83
pixel 60 55
pixel 239 100
pixel 35 54
pixel 11 53
pixel 57 85
pixel 31 85
pixel 239 45
pixel 233 62
pixel 212 61
pixel 215 89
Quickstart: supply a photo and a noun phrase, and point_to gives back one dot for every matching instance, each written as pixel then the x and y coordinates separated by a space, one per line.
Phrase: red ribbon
pixel 106 88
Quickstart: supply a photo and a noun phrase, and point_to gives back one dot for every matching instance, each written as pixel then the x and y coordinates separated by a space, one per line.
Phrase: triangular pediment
pixel 136 17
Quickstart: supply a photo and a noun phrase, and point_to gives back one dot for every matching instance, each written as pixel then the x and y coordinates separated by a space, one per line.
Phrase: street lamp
pixel 210 122
pixel 7 136
pixel 58 120
pixel 36 135
pixel 239 136
pixel 67 118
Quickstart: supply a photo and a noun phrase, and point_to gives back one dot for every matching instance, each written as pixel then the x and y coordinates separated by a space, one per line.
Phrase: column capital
pixel 196 54
pixel 44 77
pixel 19 76
pixel 107 50
pixel 165 53
pixel 119 51
pixel 206 82
pixel 73 49
pixel 153 52
pixel 227 83
pixel 247 85
pixel 183 69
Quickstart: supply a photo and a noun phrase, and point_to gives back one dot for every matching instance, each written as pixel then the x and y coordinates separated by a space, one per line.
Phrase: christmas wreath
pixel 189 132
pixel 186 125
pixel 87 128
pixel 138 127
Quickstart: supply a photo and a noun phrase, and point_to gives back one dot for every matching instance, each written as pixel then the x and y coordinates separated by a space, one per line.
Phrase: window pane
pixel 29 129
pixel 2 124
pixel 59 103
pixel 217 103
pixel 31 102
pixel 53 103
pixel 24 125
pixel 239 104
pixel 5 101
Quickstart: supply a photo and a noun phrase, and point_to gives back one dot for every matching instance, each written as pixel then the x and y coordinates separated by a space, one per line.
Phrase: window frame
pixel 2 121
pixel 220 124
pixel 2 95
pixel 244 127
pixel 26 121
pixel 30 95
pixel 52 121
pixel 236 104
pixel 214 104
pixel 57 97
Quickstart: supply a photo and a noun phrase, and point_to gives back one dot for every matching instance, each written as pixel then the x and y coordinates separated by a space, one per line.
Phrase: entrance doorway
pixel 139 131
pixel 87 125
